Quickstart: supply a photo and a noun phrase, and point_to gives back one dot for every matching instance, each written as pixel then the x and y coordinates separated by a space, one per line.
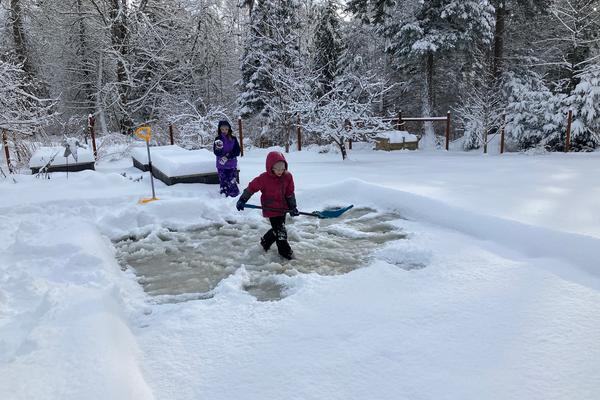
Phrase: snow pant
pixel 228 182
pixel 277 234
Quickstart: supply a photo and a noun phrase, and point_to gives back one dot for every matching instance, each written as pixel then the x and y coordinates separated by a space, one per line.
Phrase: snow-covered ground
pixel 490 291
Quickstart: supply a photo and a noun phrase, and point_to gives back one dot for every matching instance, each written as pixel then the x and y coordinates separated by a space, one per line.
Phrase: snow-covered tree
pixel 271 66
pixel 481 106
pixel 328 48
pixel 577 38
pixel 20 111
pixel 426 31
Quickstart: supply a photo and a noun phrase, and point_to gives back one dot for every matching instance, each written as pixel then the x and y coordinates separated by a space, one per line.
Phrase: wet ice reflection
pixel 181 265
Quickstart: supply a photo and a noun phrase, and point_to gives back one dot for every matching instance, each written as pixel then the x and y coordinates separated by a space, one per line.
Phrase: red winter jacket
pixel 275 189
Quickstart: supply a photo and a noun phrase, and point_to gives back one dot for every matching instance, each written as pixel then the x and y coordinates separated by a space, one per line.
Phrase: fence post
pixel 171 138
pixel 6 152
pixel 502 137
pixel 447 130
pixel 399 122
pixel 288 126
pixel 299 133
pixel 569 120
pixel 241 132
pixel 350 144
pixel 91 123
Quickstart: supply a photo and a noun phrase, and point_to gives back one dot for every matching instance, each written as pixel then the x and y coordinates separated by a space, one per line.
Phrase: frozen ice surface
pixel 175 263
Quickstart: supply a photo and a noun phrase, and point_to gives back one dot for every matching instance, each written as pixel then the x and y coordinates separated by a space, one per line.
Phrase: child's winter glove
pixel 293 209
pixel 243 199
pixel 223 160
pixel 240 204
pixel 294 212
pixel 218 144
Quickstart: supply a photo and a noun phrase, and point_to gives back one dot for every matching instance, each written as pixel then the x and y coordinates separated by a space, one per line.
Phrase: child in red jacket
pixel 277 198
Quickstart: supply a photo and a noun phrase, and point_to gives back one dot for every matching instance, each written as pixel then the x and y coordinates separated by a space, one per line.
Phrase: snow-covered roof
pixel 398 136
pixel 42 155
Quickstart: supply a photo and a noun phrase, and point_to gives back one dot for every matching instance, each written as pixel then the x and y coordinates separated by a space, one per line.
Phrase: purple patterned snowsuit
pixel 227 163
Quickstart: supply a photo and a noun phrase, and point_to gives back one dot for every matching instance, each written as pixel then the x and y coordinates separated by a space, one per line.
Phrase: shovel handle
pixel 283 210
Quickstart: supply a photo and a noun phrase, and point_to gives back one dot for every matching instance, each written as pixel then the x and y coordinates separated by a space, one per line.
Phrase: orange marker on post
pixel 144 132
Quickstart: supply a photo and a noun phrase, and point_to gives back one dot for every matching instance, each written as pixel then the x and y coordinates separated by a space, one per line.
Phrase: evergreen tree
pixel 329 49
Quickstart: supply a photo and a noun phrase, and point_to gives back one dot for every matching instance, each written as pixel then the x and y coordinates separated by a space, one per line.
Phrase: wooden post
pixel 502 138
pixel 349 144
pixel 241 133
pixel 448 131
pixel 6 153
pixel 287 136
pixel 171 138
pixel 299 133
pixel 399 121
pixel 569 120
pixel 91 123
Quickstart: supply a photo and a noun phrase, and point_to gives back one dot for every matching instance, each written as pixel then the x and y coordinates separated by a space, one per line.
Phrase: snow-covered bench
pixel 396 140
pixel 53 159
pixel 173 164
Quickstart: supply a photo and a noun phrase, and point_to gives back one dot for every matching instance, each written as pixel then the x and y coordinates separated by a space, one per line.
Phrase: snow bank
pixel 64 331
pixel 43 155
pixel 577 250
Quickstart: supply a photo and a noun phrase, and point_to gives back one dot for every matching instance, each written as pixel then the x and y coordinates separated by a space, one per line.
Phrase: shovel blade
pixel 332 213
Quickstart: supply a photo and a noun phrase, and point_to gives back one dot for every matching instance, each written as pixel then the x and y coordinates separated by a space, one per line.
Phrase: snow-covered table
pixel 396 140
pixel 53 158
pixel 173 164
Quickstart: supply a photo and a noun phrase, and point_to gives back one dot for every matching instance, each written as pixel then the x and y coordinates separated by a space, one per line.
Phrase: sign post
pixel 144 132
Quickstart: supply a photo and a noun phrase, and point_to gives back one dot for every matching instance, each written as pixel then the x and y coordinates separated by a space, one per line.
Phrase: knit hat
pixel 224 123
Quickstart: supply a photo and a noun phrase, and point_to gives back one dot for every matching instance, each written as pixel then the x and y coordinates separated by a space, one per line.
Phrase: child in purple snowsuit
pixel 227 148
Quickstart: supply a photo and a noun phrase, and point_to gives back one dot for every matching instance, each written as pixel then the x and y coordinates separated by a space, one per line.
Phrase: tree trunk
pixel 18 34
pixel 499 42
pixel 342 145
pixel 118 36
pixel 83 53
pixel 428 101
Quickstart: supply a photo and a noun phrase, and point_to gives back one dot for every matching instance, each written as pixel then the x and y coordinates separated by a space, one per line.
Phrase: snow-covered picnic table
pixel 53 158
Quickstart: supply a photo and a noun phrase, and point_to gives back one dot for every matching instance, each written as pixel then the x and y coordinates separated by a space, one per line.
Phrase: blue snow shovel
pixel 319 214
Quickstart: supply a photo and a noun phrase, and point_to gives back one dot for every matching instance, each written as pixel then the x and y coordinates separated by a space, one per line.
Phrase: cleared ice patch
pixel 183 265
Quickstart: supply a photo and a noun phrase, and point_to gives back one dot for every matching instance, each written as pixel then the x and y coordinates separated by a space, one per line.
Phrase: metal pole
pixel 150 167
pixel 448 131
pixel 241 132
pixel 569 120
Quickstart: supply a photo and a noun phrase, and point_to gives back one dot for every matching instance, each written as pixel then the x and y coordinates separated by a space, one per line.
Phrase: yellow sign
pixel 143 132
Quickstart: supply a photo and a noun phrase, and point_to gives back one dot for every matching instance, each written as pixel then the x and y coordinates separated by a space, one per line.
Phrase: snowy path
pixel 501 309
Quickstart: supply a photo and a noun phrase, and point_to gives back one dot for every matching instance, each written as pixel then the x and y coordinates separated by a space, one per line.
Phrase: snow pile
pixel 398 136
pixel 43 155
pixel 64 330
